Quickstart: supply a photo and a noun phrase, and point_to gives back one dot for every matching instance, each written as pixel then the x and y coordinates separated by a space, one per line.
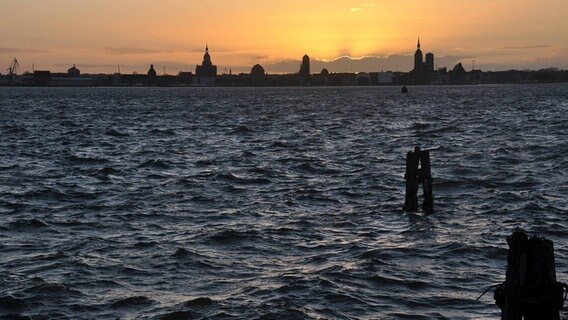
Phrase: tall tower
pixel 206 57
pixel 305 67
pixel 206 69
pixel 429 63
pixel 418 58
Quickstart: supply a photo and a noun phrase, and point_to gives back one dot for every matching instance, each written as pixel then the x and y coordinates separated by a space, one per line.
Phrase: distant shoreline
pixel 474 77
pixel 275 86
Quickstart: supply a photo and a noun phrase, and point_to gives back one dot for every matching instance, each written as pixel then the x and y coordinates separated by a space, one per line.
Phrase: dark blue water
pixel 283 203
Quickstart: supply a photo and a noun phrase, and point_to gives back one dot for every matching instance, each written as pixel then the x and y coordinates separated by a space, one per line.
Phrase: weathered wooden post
pixel 411 176
pixel 414 176
pixel 428 204
pixel 530 289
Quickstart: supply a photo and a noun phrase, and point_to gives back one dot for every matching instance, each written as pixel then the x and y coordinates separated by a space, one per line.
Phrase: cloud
pixel 172 67
pixel 257 58
pixel 88 65
pixel 538 46
pixel 20 50
pixel 131 50
pixel 495 49
pixel 363 7
pixel 364 64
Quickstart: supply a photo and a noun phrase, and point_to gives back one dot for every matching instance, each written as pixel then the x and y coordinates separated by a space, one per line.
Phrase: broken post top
pixel 530 290
pixel 518 234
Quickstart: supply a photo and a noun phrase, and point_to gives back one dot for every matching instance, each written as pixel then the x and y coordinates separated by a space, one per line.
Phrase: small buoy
pixel 404 90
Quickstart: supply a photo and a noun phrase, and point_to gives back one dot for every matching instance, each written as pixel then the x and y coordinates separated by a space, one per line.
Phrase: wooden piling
pixel 530 289
pixel 411 176
pixel 428 203
pixel 415 176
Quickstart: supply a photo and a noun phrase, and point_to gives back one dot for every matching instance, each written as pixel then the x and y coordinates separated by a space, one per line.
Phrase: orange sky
pixel 97 35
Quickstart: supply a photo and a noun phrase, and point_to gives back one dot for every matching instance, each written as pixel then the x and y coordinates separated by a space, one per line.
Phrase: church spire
pixel 206 47
pixel 418 46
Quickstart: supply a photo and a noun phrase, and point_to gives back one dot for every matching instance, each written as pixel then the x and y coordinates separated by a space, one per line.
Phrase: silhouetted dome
pixel 206 69
pixel 257 70
pixel 324 72
pixel 206 58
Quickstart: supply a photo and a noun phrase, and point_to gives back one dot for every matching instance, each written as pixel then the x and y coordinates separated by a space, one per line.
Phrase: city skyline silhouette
pixel 345 37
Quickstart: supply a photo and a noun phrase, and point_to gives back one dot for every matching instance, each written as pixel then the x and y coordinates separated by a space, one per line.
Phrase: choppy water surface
pixel 271 203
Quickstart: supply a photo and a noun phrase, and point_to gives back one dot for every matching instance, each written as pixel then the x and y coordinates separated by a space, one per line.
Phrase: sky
pixel 366 35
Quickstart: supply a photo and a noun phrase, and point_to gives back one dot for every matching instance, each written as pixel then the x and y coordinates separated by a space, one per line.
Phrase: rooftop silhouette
pixel 206 74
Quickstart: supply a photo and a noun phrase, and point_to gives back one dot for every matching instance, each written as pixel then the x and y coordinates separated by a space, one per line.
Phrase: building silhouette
pixel 257 75
pixel 458 74
pixel 419 64
pixel 206 72
pixel 152 72
pixel 429 62
pixel 151 79
pixel 418 58
pixel 423 69
pixel 74 72
pixel 305 66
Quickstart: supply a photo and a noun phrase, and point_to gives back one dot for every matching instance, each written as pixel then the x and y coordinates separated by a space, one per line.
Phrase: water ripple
pixel 272 203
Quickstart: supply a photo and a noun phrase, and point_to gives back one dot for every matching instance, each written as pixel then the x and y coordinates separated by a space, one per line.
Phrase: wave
pixel 315 168
pixel 155 163
pixel 200 303
pixel 242 129
pixel 9 167
pixel 204 162
pixel 172 204
pixel 27 224
pixel 279 144
pixel 184 253
pixel 50 290
pixel 14 130
pixel 162 132
pixel 132 302
pixel 116 133
pixel 232 178
pixel 12 303
pixel 231 235
pixel 86 160
pixel 420 126
pixel 177 315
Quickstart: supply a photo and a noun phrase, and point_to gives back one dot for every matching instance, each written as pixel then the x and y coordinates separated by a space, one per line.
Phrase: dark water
pixel 271 203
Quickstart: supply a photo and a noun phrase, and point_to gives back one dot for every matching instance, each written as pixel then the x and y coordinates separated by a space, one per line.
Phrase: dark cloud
pixel 20 50
pixel 259 57
pixel 87 65
pixel 365 64
pixel 131 50
pixel 135 50
pixel 538 46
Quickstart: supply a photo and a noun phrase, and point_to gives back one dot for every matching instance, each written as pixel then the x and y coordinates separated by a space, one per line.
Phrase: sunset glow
pixel 101 34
